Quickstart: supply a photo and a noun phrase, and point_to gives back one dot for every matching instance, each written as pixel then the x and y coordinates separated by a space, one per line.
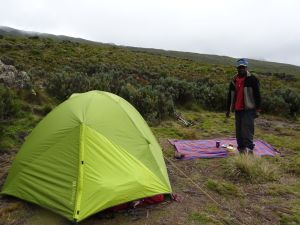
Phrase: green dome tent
pixel 91 152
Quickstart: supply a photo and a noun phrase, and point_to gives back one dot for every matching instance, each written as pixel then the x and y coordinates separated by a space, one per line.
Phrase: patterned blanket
pixel 191 149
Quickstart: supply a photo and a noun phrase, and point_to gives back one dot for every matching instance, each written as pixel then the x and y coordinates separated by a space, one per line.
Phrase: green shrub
pixel 35 37
pixel 274 104
pixel 46 109
pixel 6 144
pixel 180 90
pixel 7 60
pixel 63 85
pixel 152 104
pixel 284 101
pixel 151 101
pixel 292 99
pixel 285 77
pixel 212 96
pixel 9 104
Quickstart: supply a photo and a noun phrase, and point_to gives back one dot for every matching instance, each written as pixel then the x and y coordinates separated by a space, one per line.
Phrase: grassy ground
pixel 247 190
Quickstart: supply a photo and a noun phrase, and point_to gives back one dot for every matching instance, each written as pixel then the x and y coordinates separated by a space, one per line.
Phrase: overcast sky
pixel 259 29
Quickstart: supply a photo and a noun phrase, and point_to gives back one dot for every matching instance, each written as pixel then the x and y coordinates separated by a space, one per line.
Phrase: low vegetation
pixel 251 168
pixel 249 190
pixel 223 188
pixel 154 84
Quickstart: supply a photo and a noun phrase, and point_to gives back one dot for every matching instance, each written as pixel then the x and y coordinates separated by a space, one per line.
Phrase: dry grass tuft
pixel 251 168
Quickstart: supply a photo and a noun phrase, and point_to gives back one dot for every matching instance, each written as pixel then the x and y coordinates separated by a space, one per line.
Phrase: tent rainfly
pixel 91 152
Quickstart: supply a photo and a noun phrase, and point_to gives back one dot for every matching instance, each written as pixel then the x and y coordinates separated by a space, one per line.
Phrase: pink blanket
pixel 207 148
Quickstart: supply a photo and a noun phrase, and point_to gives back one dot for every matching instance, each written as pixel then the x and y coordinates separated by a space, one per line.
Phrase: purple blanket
pixel 207 148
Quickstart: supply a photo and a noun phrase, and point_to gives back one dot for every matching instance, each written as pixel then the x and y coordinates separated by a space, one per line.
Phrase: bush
pixel 212 97
pixel 7 60
pixel 285 77
pixel 109 81
pixel 46 109
pixel 156 97
pixel 284 101
pixel 63 85
pixel 180 90
pixel 274 104
pixel 151 103
pixel 9 104
pixel 35 37
pixel 37 72
pixel 1 130
pixel 292 99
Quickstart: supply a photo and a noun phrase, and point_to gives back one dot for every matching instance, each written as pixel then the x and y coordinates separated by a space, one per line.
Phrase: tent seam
pixel 80 174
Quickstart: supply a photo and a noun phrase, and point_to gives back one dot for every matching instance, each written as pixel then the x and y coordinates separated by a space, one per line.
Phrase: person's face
pixel 242 70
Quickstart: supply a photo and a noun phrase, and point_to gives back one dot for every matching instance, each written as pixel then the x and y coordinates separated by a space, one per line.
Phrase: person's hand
pixel 227 114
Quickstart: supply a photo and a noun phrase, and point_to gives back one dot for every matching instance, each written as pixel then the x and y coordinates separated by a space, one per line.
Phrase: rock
pixel 12 78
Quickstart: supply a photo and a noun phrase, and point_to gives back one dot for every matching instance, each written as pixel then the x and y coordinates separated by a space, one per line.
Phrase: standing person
pixel 244 99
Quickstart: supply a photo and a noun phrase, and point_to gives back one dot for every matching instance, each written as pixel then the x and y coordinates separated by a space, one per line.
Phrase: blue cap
pixel 241 62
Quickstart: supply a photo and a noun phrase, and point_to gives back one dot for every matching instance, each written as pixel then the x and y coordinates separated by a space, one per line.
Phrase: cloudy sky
pixel 259 29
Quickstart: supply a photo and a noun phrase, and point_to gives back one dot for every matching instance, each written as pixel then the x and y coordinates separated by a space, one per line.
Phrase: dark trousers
pixel 244 129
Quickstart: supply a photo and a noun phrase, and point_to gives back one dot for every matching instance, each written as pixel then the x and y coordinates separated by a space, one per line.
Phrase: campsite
pixel 154 98
pixel 269 198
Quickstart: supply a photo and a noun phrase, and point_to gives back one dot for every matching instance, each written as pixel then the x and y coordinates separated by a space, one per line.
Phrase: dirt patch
pixel 5 162
pixel 275 126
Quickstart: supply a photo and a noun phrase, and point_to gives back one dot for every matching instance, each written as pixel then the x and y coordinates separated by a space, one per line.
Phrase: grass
pixel 290 218
pixel 293 165
pixel 167 132
pixel 288 142
pixel 267 174
pixel 6 144
pixel 245 185
pixel 203 218
pixel 223 188
pixel 14 131
pixel 252 169
pixel 11 207
pixel 173 130
pixel 278 190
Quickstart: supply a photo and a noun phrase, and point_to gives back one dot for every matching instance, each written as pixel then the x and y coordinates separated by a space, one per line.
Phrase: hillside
pixel 8 31
pixel 257 65
pixel 58 65
pixel 38 72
